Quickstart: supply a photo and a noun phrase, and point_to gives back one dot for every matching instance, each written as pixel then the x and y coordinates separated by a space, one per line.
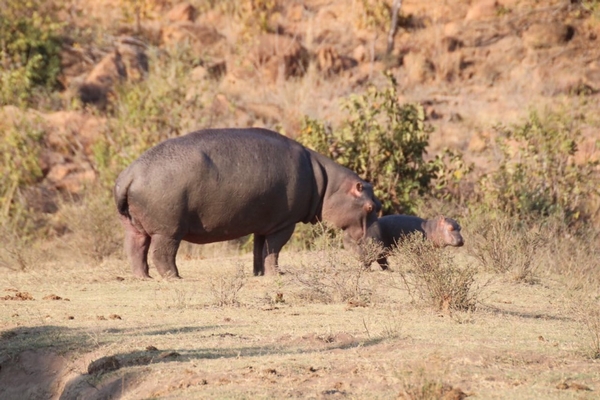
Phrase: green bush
pixel 537 174
pixel 20 148
pixel 384 142
pixel 29 53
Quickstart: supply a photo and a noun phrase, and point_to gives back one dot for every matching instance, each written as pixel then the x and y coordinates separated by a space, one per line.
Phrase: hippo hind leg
pixel 137 245
pixel 164 251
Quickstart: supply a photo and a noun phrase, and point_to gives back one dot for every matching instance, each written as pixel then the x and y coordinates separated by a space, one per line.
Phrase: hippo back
pixel 221 184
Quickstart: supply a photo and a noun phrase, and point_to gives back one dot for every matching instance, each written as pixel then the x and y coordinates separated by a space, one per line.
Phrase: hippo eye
pixel 450 228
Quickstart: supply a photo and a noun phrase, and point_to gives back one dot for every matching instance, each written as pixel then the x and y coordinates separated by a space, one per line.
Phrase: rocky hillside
pixel 471 64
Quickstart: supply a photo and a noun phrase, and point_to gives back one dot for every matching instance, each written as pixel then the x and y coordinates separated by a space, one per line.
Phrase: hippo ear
pixel 357 189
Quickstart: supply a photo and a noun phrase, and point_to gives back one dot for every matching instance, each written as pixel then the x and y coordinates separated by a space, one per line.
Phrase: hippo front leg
pixel 259 244
pixel 273 244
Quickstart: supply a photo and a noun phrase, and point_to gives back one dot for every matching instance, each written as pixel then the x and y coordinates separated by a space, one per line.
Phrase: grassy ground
pixel 271 339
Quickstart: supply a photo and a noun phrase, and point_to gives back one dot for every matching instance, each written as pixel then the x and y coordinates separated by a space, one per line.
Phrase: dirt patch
pixel 20 296
pixel 43 374
pixel 54 297
pixel 34 374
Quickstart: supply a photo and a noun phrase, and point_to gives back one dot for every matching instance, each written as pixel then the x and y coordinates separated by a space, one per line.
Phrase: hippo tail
pixel 120 193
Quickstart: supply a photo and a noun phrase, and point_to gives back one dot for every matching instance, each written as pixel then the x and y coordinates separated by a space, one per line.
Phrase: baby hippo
pixel 390 229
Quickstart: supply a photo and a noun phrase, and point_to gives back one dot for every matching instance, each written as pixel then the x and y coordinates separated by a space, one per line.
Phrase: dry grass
pixel 502 245
pixel 169 339
pixel 586 309
pixel 334 276
pixel 93 229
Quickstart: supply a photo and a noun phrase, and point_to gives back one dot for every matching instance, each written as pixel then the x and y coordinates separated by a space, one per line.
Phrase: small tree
pixel 537 174
pixel 29 49
pixel 384 142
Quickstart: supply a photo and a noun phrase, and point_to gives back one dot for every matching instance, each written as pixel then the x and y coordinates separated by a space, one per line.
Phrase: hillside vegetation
pixel 485 111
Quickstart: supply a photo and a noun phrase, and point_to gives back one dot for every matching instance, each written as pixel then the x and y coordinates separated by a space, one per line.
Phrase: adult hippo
pixel 221 184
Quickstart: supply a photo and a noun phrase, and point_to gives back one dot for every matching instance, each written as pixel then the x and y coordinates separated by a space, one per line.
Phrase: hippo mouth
pixel 358 232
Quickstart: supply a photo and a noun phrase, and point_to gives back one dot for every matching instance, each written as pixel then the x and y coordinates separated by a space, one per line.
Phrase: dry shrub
pixel 93 224
pixel 226 287
pixel 587 312
pixel 420 386
pixel 332 275
pixel 17 252
pixel 504 246
pixel 431 274
pixel 179 298
pixel 367 251
pixel 574 255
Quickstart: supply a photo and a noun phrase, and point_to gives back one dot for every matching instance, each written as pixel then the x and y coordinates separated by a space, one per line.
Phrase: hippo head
pixel 352 208
pixel 447 232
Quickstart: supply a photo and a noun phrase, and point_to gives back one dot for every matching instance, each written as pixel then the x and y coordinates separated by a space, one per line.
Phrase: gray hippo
pixel 221 184
pixel 390 229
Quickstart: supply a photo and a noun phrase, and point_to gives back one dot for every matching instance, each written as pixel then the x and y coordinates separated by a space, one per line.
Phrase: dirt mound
pixel 34 374
pixel 43 374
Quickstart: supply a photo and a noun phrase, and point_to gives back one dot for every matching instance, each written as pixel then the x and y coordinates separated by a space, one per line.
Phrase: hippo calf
pixel 390 229
pixel 221 184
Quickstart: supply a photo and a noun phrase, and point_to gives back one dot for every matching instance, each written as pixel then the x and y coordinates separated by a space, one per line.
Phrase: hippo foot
pixel 171 277
pixel 276 272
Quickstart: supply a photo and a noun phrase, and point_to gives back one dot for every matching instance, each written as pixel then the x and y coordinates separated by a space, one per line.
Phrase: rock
pixel 451 44
pixel 74 62
pixel 108 71
pixel 295 12
pixel 477 144
pixel 104 364
pixel 182 12
pixel 279 57
pixel 483 9
pixel 198 74
pixel 127 61
pixel 330 62
pixel 68 132
pixel 71 177
pixel 591 78
pixel 198 35
pixel 418 68
pixel 453 29
pixel 266 112
pixel 360 53
pixel 102 78
pixel 60 171
pixel 133 56
pixel 547 34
